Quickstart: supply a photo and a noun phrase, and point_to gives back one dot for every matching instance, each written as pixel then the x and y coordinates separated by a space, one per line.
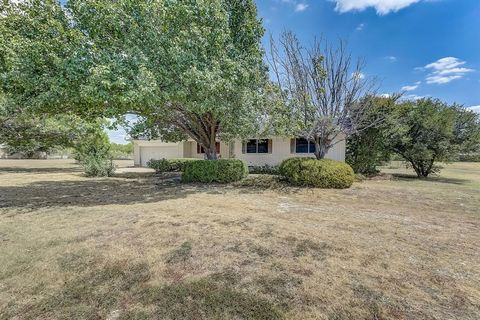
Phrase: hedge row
pixel 169 165
pixel 317 173
pixel 307 172
pixel 221 171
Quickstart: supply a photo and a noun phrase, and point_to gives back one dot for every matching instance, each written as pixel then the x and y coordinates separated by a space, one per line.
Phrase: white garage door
pixel 157 153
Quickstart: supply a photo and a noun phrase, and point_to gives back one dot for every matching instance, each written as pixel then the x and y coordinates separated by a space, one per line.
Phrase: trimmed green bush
pixel 169 165
pixel 317 173
pixel 221 171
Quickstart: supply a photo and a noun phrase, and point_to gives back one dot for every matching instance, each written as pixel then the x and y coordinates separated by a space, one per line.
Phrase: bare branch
pixel 323 86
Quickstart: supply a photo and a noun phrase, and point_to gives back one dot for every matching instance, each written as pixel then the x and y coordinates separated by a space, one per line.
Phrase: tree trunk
pixel 322 146
pixel 211 148
pixel 421 172
pixel 211 153
pixel 418 171
pixel 203 128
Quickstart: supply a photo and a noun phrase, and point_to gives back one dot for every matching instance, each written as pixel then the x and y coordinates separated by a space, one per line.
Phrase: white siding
pixel 281 151
pixel 155 149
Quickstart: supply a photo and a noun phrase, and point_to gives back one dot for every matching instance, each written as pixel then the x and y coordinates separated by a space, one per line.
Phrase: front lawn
pixel 139 247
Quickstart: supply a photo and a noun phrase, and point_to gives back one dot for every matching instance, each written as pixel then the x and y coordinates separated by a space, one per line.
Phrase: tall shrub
pixel 93 152
pixel 367 149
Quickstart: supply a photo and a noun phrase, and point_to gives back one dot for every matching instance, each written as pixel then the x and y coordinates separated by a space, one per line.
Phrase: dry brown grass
pixel 140 247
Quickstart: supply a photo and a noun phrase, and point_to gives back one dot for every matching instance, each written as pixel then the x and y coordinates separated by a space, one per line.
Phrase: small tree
pixel 431 131
pixel 366 149
pixel 93 151
pixel 323 89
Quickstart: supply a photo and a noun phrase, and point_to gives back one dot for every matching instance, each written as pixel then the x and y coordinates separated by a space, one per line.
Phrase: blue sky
pixel 421 47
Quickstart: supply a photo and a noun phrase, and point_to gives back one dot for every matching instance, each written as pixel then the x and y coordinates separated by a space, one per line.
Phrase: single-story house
pixel 256 152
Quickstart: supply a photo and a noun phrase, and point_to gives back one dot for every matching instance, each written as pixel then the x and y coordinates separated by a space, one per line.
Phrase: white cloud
pixel 445 70
pixel 382 7
pixel 360 27
pixel 445 63
pixel 299 7
pixel 442 79
pixel 391 58
pixel 413 97
pixel 412 87
pixel 475 109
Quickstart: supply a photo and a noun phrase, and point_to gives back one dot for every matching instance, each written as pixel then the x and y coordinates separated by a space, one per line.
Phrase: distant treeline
pixel 121 151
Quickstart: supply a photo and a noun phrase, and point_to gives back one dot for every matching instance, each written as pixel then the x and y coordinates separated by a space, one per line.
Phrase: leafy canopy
pixel 187 67
pixel 28 133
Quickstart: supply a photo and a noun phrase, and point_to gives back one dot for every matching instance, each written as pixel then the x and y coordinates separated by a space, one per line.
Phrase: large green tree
pixel 189 68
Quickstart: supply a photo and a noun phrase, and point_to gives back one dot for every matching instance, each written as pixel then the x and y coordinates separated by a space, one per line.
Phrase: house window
pixel 252 146
pixel 302 145
pixel 257 146
pixel 262 146
pixel 200 149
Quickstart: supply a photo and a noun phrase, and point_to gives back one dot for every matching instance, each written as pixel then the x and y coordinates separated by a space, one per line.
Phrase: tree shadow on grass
pixel 123 189
pixel 6 170
pixel 432 178
pixel 94 192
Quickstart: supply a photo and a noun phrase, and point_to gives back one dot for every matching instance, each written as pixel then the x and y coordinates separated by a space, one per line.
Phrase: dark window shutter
pixel 311 147
pixel 199 149
pixel 244 147
pixel 292 145
pixel 270 143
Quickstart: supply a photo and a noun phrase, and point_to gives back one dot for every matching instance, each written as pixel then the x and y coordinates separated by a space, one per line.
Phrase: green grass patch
pixel 181 254
pixel 283 289
pixel 303 247
pixel 207 299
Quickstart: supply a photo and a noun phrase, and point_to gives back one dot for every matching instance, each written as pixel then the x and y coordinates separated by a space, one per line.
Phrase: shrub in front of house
pixel 221 171
pixel 317 173
pixel 169 165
